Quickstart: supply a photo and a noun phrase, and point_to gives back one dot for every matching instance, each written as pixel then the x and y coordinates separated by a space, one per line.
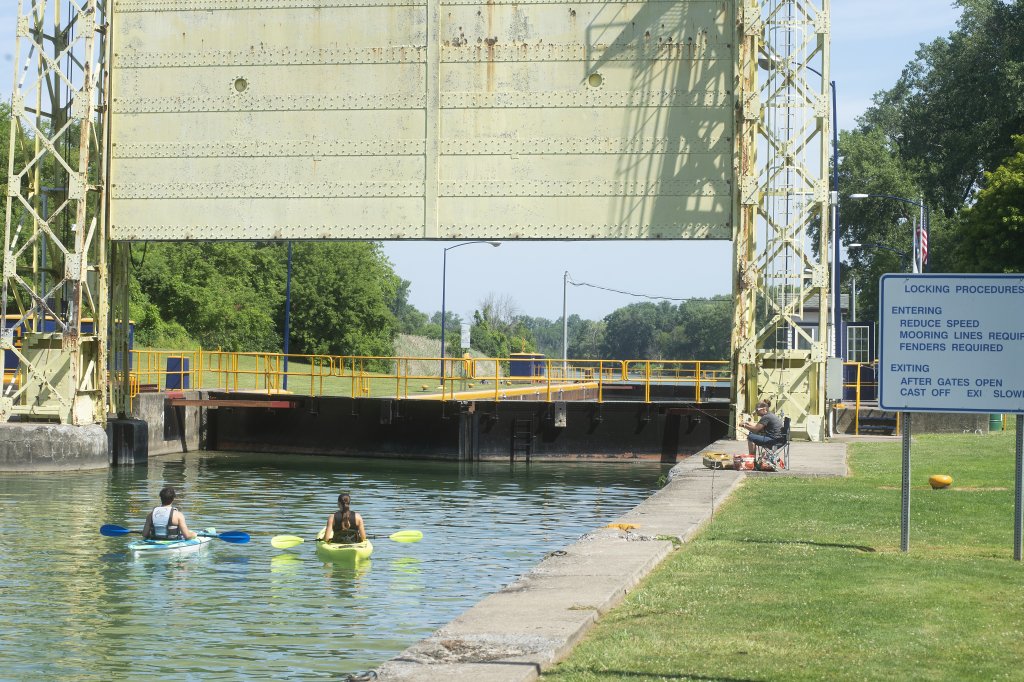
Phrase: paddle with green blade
pixel 287 541
pixel 233 536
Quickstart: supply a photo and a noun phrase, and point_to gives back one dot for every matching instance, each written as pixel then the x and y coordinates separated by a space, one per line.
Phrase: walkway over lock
pixel 421 378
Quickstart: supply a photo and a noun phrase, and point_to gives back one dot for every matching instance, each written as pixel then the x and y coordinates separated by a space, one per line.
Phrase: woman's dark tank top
pixel 347 535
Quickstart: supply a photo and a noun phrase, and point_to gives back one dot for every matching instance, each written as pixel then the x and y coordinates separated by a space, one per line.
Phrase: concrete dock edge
pixel 531 624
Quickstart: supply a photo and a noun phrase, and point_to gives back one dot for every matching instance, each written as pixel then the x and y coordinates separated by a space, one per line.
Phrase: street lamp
pixel 566 277
pixel 287 315
pixel 856 245
pixel 444 285
pixel 920 238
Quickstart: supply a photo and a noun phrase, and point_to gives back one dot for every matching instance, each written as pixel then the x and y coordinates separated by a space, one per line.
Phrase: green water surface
pixel 76 606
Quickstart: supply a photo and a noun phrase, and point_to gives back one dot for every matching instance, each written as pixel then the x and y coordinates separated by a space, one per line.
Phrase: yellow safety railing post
pixel 647 381
pixel 698 374
pixel 856 415
pixel 547 372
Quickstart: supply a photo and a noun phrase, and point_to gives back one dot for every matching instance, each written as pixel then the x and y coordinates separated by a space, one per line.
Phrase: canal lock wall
pixel 432 429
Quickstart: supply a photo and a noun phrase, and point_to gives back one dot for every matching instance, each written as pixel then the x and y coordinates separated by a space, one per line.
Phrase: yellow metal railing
pixel 864 383
pixel 418 377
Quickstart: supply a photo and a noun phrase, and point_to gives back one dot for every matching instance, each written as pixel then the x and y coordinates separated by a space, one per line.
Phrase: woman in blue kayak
pixel 165 522
pixel 345 526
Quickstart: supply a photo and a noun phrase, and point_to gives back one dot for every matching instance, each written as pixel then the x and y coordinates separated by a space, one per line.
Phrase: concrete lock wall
pixel 341 426
pixel 171 429
pixel 468 430
pixel 52 447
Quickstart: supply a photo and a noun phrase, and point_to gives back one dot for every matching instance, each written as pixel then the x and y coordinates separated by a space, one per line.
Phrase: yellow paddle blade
pixel 285 541
pixel 406 536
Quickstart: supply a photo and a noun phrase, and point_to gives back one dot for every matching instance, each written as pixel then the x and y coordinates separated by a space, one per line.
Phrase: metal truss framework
pixel 782 237
pixel 55 246
pixel 55 274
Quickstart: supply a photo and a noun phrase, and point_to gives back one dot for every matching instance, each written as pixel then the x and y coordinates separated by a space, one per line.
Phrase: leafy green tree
pixel 702 332
pixel 586 338
pixel 631 332
pixel 957 104
pixel 452 331
pixel 499 330
pixel 492 342
pixel 342 298
pixel 225 294
pixel 992 236
pixel 151 330
pixel 871 164
pixel 410 320
pixel 546 334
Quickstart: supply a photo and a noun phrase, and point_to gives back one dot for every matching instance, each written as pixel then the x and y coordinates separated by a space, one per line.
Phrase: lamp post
pixel 444 286
pixel 565 325
pixel 856 245
pixel 287 315
pixel 919 260
pixel 837 298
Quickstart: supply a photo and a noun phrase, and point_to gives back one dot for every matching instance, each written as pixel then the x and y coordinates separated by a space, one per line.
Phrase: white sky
pixel 872 40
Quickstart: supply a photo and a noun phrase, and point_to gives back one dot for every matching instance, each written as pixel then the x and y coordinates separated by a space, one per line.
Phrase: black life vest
pixel 347 535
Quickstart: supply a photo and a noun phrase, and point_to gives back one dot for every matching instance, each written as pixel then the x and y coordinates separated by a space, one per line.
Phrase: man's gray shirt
pixel 772 425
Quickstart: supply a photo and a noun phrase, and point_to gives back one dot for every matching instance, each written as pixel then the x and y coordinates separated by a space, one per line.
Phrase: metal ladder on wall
pixel 522 439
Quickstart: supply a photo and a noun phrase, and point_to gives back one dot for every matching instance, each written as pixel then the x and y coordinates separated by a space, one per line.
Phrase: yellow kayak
pixel 351 552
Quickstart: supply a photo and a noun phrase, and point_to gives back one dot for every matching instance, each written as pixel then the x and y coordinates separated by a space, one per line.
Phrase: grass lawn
pixel 803 579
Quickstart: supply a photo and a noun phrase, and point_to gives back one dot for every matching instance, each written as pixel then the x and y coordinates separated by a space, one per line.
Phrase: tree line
pixel 347 300
pixel 948 133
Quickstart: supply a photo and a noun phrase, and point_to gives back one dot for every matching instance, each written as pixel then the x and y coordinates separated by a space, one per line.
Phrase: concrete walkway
pixel 534 622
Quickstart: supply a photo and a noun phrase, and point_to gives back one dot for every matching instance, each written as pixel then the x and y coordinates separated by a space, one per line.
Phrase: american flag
pixel 922 237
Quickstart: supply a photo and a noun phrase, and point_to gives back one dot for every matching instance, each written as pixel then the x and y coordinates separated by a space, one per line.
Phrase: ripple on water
pixel 229 611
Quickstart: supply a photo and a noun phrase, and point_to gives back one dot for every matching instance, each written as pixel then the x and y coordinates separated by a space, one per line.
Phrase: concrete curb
pixel 531 624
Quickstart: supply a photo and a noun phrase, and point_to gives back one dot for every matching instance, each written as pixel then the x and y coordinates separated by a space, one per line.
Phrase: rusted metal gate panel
pixel 284 119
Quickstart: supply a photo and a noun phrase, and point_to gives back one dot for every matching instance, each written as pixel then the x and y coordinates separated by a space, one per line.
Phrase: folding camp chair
pixel 774 457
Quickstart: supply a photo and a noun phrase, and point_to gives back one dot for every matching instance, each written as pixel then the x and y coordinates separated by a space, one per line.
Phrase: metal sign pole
pixel 905 514
pixel 1018 509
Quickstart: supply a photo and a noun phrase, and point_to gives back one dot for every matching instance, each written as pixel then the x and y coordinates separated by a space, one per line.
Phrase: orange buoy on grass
pixel 940 481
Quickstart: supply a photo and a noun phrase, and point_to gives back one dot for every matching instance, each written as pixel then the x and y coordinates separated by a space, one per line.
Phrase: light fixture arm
pixel 444 286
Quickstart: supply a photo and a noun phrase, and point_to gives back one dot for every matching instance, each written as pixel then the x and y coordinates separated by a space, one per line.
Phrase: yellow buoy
pixel 940 481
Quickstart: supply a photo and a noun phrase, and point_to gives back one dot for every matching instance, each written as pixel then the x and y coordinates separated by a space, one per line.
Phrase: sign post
pixel 952 343
pixel 1018 509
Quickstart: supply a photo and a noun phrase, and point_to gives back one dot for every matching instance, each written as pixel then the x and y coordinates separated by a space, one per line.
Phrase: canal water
pixel 76 605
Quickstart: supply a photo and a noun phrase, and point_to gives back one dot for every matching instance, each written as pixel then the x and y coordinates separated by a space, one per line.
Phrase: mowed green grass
pixel 803 579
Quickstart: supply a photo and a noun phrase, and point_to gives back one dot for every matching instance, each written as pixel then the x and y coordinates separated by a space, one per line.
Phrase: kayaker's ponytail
pixel 345 505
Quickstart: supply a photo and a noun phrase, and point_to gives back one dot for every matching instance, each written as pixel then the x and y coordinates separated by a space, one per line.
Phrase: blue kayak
pixel 162 547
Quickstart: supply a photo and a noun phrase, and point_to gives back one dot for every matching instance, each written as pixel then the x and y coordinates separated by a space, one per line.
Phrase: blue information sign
pixel 951 343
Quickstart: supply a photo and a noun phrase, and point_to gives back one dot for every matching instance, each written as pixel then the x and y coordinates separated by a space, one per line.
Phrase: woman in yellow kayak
pixel 345 526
